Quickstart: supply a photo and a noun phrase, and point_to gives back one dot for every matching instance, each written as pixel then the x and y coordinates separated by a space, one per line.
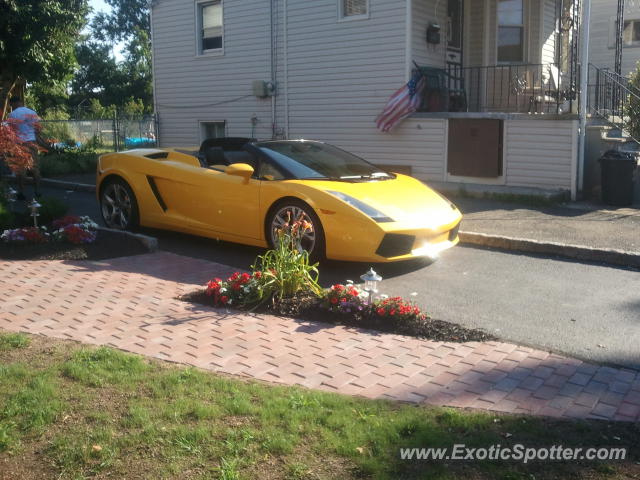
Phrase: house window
pixel 510 31
pixel 354 8
pixel 631 34
pixel 210 26
pixel 213 130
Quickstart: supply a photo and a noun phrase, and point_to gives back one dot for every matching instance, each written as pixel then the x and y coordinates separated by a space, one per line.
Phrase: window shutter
pixel 355 7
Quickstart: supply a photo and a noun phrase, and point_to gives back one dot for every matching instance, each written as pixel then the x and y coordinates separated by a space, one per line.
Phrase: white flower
pixel 384 297
pixel 414 294
pixel 349 282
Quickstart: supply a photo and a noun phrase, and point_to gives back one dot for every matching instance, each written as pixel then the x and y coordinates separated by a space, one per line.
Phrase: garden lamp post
pixel 35 206
pixel 11 197
pixel 371 279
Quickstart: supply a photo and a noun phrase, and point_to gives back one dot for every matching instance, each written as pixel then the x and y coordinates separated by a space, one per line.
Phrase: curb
pixel 575 252
pixel 150 242
pixel 80 187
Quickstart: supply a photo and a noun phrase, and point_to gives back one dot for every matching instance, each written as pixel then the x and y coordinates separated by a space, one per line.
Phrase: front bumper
pixel 391 242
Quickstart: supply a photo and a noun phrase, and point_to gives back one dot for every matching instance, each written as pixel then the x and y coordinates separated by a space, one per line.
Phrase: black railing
pixel 528 88
pixel 611 96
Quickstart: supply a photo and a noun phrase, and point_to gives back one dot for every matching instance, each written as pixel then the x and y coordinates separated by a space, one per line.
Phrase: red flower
pixel 224 299
pixel 392 312
pixel 381 312
pixel 334 300
pixel 257 274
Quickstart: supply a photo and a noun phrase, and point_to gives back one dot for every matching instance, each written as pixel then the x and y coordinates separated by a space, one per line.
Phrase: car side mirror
pixel 243 170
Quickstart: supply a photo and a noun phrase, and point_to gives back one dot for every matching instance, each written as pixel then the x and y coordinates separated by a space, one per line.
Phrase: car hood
pixel 403 199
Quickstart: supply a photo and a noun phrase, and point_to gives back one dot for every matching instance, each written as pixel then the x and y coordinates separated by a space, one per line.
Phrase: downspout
pixel 576 185
pixel 151 4
pixel 408 40
pixel 286 68
pixel 273 76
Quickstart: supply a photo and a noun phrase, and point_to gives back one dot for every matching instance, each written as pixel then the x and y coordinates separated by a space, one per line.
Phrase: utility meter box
pixel 262 89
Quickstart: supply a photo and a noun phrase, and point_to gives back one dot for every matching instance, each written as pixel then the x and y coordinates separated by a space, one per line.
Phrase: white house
pixel 500 110
pixel 602 39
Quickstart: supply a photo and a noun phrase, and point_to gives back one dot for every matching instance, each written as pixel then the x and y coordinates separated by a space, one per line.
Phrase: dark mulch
pixel 307 307
pixel 107 245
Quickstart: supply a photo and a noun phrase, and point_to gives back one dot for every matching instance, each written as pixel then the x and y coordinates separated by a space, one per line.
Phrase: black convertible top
pixel 226 143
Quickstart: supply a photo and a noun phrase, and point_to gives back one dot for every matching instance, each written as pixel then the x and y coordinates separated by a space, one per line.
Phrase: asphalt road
pixel 585 310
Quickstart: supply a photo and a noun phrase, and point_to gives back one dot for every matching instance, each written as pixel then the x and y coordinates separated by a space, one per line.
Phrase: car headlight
pixel 369 211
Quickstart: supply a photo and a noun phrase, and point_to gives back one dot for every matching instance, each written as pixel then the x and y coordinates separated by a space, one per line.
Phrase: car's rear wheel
pixel 119 205
pixel 284 214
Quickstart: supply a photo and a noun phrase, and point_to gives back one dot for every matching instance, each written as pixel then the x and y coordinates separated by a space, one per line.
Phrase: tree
pixel 37 40
pixel 129 22
pixel 126 17
pixel 632 108
pixel 98 75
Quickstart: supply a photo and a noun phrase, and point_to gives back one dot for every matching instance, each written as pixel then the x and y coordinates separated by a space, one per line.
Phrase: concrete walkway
pixel 129 303
pixel 590 225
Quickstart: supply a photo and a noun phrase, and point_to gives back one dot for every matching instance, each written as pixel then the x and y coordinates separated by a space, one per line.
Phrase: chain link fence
pixel 115 134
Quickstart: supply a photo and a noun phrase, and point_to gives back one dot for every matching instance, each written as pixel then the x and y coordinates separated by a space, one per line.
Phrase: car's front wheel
pixel 119 205
pixel 283 216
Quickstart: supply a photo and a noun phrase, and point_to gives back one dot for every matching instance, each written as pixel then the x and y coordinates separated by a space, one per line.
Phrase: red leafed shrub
pixel 16 154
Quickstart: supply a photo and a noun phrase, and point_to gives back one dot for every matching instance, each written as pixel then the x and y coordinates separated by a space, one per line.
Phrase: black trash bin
pixel 617 177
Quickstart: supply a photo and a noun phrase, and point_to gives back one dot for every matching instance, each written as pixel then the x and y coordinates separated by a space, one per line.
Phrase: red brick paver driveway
pixel 129 303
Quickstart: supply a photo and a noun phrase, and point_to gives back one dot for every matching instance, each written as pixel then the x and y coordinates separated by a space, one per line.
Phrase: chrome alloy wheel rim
pixel 116 206
pixel 288 215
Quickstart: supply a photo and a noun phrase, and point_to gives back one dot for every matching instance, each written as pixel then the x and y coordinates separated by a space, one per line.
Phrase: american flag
pixel 402 103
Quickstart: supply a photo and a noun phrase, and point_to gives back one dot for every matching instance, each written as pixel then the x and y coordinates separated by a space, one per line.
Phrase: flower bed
pixel 343 305
pixel 72 238
pixel 283 282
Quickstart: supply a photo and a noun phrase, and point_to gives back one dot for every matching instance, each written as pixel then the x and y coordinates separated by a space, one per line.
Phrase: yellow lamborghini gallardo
pixel 243 191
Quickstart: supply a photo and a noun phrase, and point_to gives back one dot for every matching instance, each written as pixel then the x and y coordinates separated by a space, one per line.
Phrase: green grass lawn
pixel 72 411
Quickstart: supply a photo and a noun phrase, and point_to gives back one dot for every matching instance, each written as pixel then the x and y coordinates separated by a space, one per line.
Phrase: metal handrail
pixel 609 97
pixel 518 88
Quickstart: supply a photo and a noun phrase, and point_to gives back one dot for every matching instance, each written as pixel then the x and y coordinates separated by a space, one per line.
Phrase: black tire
pixel 295 207
pixel 118 205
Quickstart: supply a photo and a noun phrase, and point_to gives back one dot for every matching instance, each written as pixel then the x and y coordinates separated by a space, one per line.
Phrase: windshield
pixel 313 160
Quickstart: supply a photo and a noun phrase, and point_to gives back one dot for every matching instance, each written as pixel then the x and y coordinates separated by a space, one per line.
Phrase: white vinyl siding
pixel 338 81
pixel 424 13
pixel 549 32
pixel 475 42
pixel 539 152
pixel 602 38
pixel 190 89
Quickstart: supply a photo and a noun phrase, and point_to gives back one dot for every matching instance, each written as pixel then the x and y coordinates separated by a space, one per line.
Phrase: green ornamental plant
pixel 286 269
pixel 632 109
pixel 281 273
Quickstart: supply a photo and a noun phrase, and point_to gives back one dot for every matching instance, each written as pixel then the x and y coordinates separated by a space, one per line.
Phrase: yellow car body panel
pixel 177 193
